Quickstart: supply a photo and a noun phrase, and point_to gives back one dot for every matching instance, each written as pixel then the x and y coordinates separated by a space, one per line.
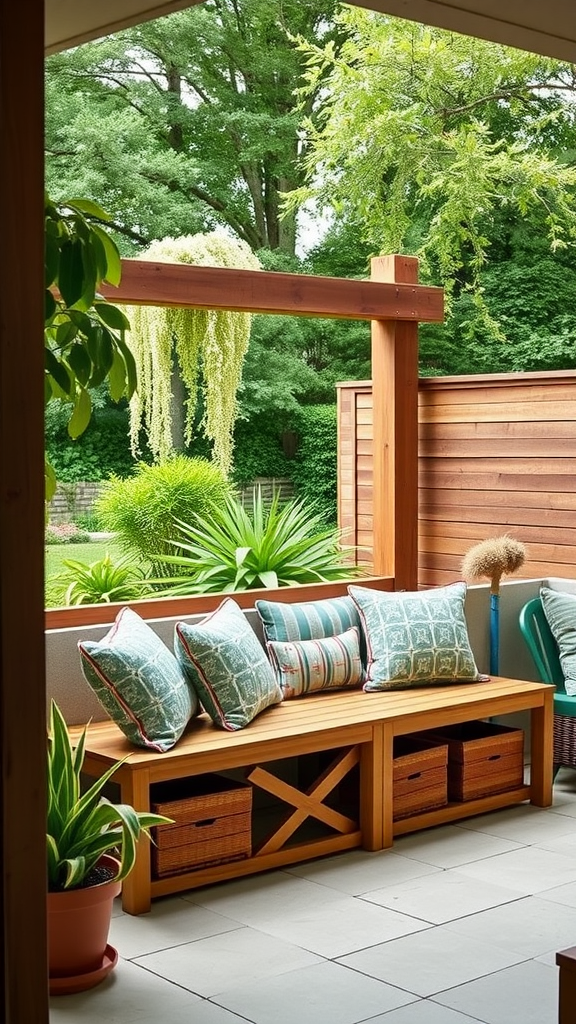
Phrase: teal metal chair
pixel 544 650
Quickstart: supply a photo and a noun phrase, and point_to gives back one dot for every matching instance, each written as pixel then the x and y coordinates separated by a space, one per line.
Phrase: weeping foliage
pixel 214 342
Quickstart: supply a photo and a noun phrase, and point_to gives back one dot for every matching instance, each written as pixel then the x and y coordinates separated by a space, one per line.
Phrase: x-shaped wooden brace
pixel 308 803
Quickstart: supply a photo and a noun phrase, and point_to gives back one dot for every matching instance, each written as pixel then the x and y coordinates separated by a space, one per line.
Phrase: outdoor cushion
pixel 560 611
pixel 309 620
pixel 415 638
pixel 329 663
pixel 227 666
pixel 139 682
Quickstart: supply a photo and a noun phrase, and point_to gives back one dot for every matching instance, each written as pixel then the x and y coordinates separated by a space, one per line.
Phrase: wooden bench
pixel 360 729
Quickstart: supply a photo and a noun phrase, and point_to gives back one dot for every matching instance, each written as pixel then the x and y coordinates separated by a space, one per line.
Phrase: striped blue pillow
pixel 310 620
pixel 329 663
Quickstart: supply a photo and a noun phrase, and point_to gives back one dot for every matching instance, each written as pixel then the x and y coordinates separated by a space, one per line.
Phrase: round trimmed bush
pixel 142 509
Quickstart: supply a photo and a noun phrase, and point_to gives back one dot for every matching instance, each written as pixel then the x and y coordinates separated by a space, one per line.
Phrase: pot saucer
pixel 81 982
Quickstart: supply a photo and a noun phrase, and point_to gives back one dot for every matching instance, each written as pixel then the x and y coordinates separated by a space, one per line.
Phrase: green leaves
pixel 427 137
pixel 83 338
pixel 276 546
pixel 102 581
pixel 82 827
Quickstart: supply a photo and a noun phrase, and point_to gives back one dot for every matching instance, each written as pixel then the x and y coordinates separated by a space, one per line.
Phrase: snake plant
pixel 82 827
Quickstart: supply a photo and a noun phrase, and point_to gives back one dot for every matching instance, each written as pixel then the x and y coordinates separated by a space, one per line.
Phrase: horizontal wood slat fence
pixel 72 499
pixel 497 454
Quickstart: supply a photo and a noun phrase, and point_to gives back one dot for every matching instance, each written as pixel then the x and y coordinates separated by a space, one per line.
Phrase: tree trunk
pixel 177 406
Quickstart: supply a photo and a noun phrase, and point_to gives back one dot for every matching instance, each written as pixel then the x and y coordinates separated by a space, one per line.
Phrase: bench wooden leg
pixel 566 961
pixel 371 791
pixel 387 785
pixel 541 747
pixel 137 888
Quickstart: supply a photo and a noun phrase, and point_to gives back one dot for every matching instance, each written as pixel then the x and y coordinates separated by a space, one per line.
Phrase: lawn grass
pixel 54 563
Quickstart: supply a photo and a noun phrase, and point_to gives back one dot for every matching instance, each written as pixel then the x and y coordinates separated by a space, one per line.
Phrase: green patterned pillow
pixel 139 682
pixel 304 666
pixel 227 666
pixel 415 638
pixel 560 611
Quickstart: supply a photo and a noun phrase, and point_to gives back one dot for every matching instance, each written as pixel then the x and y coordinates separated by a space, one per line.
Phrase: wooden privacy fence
pixel 497 454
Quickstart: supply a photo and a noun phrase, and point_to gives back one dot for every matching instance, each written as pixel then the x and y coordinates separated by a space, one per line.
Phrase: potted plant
pixel 91 845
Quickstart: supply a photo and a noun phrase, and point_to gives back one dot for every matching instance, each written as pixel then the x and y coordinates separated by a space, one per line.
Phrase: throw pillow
pixel 560 611
pixel 310 620
pixel 227 666
pixel 304 666
pixel 415 638
pixel 139 682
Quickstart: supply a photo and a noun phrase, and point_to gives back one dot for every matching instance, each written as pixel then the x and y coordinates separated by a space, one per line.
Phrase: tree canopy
pixel 428 138
pixel 188 122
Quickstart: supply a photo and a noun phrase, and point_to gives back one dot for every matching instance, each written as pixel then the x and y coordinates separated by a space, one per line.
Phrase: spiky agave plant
pixel 81 828
pixel 278 545
pixel 102 581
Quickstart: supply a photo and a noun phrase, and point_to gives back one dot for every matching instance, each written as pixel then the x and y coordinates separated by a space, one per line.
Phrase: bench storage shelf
pixel 357 729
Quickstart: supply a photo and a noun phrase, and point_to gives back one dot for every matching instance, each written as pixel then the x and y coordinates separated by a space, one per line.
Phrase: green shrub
pixel 315 466
pixel 65 533
pixel 141 509
pixel 102 449
pixel 87 521
pixel 275 546
pixel 102 581
pixel 258 451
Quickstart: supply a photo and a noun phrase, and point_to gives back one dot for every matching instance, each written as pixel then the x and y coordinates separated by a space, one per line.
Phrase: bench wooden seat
pixel 360 729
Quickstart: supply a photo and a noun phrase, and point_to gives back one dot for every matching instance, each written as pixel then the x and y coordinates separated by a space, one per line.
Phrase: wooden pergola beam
pixel 252 291
pixel 394 302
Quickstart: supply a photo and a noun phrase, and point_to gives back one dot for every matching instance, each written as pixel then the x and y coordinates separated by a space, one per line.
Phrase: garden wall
pixel 71 500
pixel 497 454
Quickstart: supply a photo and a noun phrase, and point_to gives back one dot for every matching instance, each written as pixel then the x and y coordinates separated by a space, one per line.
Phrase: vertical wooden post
pixel 395 425
pixel 23 983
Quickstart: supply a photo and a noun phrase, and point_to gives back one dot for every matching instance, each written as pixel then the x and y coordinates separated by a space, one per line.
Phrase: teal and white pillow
pixel 139 682
pixel 227 666
pixel 309 620
pixel 306 666
pixel 415 638
pixel 560 611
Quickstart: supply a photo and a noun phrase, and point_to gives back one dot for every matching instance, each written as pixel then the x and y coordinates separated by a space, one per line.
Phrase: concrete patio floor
pixel 455 925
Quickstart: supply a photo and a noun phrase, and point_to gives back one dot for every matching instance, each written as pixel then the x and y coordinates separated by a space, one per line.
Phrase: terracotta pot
pixel 78 925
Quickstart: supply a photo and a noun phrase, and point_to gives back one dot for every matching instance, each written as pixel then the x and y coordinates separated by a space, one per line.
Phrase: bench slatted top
pixel 340 712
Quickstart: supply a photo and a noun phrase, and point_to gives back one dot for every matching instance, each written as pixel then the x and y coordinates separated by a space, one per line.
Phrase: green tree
pixel 188 122
pixel 425 137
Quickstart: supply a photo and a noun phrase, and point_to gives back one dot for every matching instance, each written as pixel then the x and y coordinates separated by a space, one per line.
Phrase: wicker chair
pixel 544 650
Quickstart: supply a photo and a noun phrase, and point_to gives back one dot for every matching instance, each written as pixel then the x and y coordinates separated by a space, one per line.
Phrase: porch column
pixel 395 426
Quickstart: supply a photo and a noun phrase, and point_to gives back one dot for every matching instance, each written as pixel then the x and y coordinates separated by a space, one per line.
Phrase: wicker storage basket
pixel 212 823
pixel 420 776
pixel 483 758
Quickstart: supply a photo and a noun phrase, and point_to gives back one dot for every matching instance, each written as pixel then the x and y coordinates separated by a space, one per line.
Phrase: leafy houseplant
pixel 276 546
pixel 91 847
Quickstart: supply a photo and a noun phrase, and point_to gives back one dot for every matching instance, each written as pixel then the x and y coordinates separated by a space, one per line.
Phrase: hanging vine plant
pixel 192 339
